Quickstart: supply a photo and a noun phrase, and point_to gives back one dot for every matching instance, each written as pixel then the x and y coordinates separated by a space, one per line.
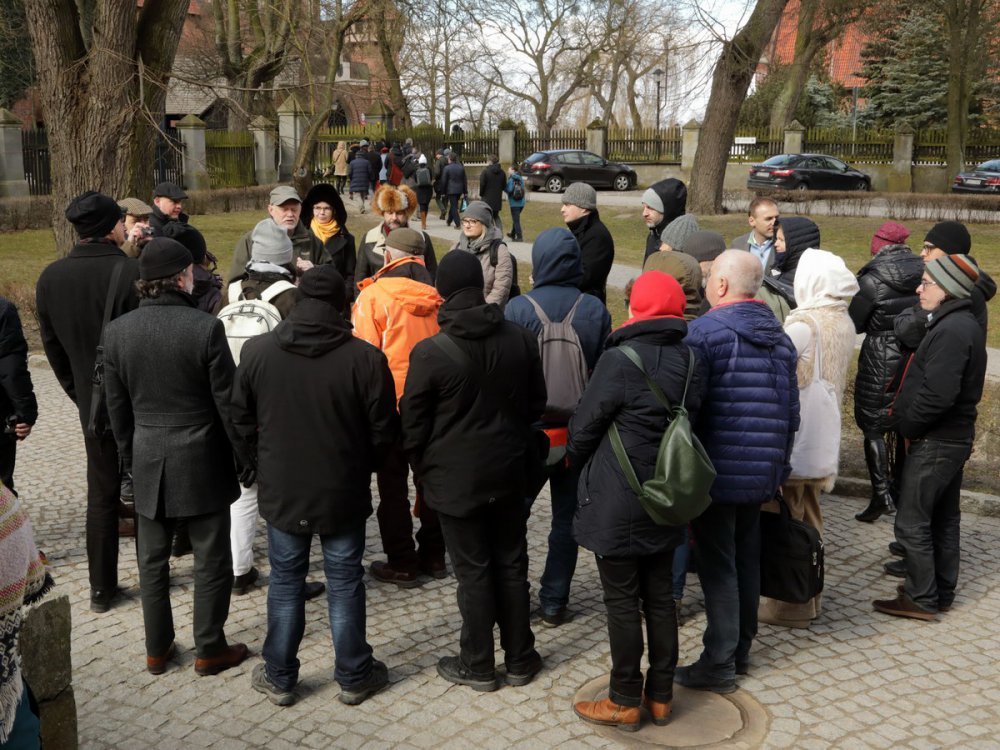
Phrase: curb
pixel 978 503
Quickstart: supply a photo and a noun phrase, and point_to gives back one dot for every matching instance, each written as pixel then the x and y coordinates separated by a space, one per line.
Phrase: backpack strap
pixel 657 391
pixel 495 251
pixel 539 311
pixel 235 291
pixel 275 289
pixel 572 310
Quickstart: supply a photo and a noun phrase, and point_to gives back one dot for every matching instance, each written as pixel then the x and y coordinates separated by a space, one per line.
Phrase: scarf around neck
pixel 325 231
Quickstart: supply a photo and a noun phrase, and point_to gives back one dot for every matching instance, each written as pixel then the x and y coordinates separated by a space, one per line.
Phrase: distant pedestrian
pixel 517 196
pixel 455 185
pixel 360 171
pixel 492 182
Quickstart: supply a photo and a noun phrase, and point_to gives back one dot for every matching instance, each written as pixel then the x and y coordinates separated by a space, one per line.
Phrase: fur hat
pixel 394 199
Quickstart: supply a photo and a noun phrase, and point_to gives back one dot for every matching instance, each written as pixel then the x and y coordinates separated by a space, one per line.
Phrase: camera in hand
pixel 10 425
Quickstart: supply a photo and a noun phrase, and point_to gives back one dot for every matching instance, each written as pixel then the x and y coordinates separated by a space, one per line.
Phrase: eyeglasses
pixel 928 282
pixel 469 222
pixel 927 247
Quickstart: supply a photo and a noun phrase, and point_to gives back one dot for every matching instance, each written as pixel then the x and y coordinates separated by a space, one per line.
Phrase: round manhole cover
pixel 699 719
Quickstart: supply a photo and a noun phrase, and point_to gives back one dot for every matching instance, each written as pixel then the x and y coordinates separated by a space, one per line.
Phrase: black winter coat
pixel 597 249
pixel 157 219
pixel 340 249
pixel 467 450
pixel 319 406
pixel 453 180
pixel 168 375
pixel 17 396
pixel 943 381
pixel 492 182
pixel 69 298
pixel 609 519
pixel 888 286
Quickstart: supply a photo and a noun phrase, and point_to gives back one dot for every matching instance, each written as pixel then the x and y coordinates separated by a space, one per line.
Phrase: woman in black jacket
pixel 792 237
pixel 634 555
pixel 888 287
pixel 324 213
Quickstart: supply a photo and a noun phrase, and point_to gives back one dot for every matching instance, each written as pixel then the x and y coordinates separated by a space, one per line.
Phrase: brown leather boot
pixel 609 713
pixel 659 711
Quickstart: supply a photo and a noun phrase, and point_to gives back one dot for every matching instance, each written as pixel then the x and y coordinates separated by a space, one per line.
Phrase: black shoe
pixel 877 461
pixel 896 568
pixel 243 583
pixel 451 668
pixel 100 599
pixel 742 667
pixel 692 677
pixel 523 677
pixel 897 549
pixel 377 679
pixel 554 619
pixel 314 589
pixel 260 682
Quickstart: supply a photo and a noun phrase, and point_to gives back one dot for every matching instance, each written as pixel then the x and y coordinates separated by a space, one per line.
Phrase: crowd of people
pixel 318 361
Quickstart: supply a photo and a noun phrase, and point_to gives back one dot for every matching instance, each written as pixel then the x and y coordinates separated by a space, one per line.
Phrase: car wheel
pixel 554 184
pixel 621 182
pixel 802 186
pixel 863 186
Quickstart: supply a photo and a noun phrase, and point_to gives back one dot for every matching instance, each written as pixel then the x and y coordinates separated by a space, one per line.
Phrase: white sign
pixel 745 140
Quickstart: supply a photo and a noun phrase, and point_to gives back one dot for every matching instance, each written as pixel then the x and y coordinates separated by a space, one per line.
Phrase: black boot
pixel 877 459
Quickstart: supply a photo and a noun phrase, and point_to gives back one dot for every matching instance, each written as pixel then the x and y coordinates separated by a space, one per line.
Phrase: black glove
pixel 248 475
pixel 127 488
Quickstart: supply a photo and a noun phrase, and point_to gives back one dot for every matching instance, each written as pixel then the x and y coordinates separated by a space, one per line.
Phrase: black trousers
pixel 631 584
pixel 8 454
pixel 395 521
pixel 103 495
pixel 454 214
pixel 213 581
pixel 489 552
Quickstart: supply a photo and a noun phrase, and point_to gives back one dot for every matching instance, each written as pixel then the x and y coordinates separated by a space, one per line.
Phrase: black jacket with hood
pixel 319 406
pixel 673 194
pixel 492 182
pixel 800 234
pixel 597 250
pixel 340 248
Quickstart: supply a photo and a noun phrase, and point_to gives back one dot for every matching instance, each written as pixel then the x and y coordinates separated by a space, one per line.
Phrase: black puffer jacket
pixel 609 519
pixel 888 286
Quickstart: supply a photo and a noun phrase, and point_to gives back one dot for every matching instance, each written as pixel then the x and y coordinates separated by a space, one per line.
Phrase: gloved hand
pixel 248 475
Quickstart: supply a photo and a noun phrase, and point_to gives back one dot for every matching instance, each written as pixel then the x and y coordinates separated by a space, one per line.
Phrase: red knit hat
pixel 890 233
pixel 656 295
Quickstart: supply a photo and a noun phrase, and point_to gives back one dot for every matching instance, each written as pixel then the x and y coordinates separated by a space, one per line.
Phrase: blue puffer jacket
pixel 751 411
pixel 557 268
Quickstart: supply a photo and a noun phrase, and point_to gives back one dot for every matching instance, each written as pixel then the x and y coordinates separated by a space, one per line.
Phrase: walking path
pixel 856 679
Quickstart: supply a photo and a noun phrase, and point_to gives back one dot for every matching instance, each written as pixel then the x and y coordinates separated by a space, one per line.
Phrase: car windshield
pixel 989 166
pixel 535 157
pixel 781 161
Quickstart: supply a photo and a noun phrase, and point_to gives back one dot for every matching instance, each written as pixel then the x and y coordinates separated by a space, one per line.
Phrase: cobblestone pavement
pixel 855 680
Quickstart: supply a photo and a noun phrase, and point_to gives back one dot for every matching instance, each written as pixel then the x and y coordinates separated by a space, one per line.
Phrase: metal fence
pixel 168 164
pixel 644 144
pixel 35 146
pixel 229 158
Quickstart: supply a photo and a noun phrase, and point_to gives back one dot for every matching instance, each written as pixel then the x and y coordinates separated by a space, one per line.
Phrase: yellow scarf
pixel 324 231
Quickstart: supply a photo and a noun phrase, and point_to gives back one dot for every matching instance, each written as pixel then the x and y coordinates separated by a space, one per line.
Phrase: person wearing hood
pixel 396 309
pixel 168 373
pixel 662 202
pixel 634 554
pixel 747 425
pixel 207 290
pixel 423 182
pixel 597 247
pixel 484 240
pixel 317 406
pixel 887 286
pixel 396 206
pixel 324 213
pixel 557 268
pixel 686 271
pixel 472 393
pixel 676 233
pixel 792 237
pixel 823 335
pixel 492 182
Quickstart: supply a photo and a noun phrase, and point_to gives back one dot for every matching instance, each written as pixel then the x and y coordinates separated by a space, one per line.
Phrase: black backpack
pixel 423 176
pixel 517 191
pixel 515 287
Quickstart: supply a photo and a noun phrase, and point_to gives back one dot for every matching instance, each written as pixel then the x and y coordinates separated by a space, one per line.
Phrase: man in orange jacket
pixel 396 309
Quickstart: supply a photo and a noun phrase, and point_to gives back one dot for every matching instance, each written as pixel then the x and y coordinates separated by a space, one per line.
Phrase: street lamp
pixel 658 77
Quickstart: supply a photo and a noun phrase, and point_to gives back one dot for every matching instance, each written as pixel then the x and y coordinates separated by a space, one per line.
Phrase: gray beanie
pixel 955 274
pixel 580 194
pixel 704 245
pixel 270 243
pixel 652 199
pixel 480 211
pixel 676 232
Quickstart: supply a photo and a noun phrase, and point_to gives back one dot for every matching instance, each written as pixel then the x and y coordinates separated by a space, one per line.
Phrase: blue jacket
pixel 509 189
pixel 751 411
pixel 360 172
pixel 557 268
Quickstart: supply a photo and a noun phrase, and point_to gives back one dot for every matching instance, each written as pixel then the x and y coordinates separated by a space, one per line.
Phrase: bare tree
pixel 730 82
pixel 388 30
pixel 102 88
pixel 965 26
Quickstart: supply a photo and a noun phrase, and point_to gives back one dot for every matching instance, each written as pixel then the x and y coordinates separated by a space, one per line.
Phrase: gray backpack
pixel 563 363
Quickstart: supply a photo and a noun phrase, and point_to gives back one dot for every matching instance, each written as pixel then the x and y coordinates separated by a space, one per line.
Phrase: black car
pixel 983 179
pixel 807 172
pixel 556 169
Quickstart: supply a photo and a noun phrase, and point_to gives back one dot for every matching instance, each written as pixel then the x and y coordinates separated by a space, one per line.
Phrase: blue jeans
pixel 345 600
pixel 515 220
pixel 560 563
pixel 680 565
pixel 727 542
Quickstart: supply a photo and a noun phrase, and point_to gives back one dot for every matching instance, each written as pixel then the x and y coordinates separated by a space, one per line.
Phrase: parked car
pixel 556 169
pixel 983 179
pixel 807 172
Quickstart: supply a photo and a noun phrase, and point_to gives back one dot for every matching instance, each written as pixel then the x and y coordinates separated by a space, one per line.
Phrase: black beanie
pixel 950 236
pixel 188 236
pixel 458 270
pixel 93 214
pixel 163 258
pixel 325 284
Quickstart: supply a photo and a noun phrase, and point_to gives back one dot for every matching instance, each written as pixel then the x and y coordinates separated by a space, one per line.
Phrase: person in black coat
pixel 319 407
pixel 597 246
pixel 18 407
pixel 492 182
pixel 662 202
pixel 467 416
pixel 888 286
pixel 168 206
pixel 329 226
pixel 70 299
pixel 168 376
pixel 455 185
pixel 634 554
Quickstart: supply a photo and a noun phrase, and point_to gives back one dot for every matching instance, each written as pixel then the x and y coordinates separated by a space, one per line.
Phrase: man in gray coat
pixel 168 374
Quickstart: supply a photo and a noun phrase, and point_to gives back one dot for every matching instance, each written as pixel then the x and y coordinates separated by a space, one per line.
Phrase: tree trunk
pixel 102 103
pixel 730 81
pixel 389 39
pixel 963 25
pixel 807 43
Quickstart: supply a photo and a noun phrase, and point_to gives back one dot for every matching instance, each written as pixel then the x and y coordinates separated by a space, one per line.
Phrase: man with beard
pixel 395 205
pixel 663 202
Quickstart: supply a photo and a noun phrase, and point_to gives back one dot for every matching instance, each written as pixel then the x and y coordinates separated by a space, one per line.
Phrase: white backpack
pixel 245 318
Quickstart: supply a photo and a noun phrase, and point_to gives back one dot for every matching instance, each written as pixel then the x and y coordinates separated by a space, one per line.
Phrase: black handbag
pixel 791 557
pixel 97 419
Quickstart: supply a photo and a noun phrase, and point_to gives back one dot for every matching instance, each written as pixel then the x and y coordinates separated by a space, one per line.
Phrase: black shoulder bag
pixel 97 420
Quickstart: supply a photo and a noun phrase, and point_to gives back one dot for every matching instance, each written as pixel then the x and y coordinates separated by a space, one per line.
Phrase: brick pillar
pixel 795 135
pixel 597 139
pixel 191 131
pixel 12 182
pixel 689 143
pixel 293 120
pixel 264 140
pixel 506 149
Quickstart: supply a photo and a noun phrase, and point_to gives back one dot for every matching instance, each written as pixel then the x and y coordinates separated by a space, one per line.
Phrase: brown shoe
pixel 903 606
pixel 434 568
pixel 230 657
pixel 659 711
pixel 405 579
pixel 609 713
pixel 158 664
pixel 126 527
pixel 901 590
